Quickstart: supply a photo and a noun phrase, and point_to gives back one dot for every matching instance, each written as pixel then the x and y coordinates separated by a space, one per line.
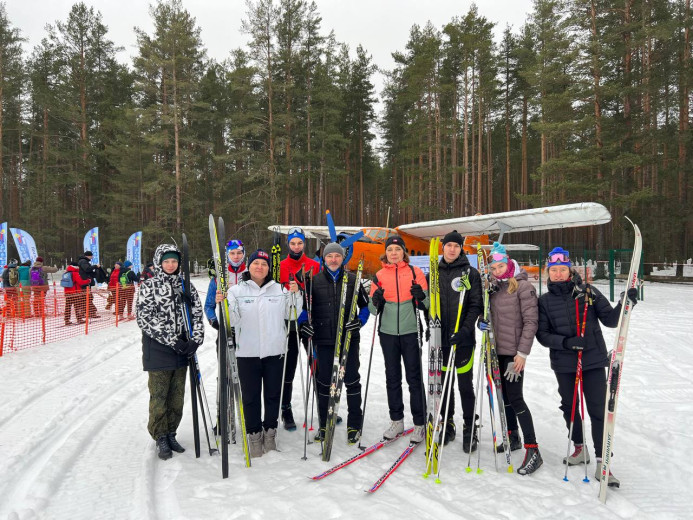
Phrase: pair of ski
pixel 341 352
pixel 229 381
pixel 369 451
pixel 493 375
pixel 437 387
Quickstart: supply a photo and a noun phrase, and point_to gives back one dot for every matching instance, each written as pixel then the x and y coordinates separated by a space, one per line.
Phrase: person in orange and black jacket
pixel 397 292
pixel 112 285
pixel 293 265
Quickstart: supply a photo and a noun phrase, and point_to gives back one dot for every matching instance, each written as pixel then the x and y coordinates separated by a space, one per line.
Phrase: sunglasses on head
pixel 498 256
pixel 559 257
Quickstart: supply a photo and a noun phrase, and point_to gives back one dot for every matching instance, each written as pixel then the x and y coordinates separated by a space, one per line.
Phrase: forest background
pixel 588 100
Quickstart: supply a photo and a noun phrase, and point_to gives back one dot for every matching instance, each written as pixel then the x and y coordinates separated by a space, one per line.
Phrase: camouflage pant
pixel 166 396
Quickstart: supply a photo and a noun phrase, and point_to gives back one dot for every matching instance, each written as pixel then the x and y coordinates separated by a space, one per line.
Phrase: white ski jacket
pixel 258 314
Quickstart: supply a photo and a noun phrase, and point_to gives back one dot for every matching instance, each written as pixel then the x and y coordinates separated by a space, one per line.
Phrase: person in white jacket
pixel 258 309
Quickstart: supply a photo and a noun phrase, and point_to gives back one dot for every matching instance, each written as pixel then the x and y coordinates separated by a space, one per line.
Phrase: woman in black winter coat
pixel 558 330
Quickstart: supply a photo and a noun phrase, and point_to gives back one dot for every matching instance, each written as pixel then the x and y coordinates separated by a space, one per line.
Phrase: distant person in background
pixel 87 270
pixel 75 295
pixel 113 285
pixel 148 271
pixel 39 284
pixel 24 289
pixel 128 278
pixel 10 283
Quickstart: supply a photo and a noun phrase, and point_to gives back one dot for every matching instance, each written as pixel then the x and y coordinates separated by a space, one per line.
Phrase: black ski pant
pixel 463 364
pixel 397 350
pixel 515 407
pixel 166 397
pixel 261 383
pixel 594 383
pixel 291 362
pixel 352 384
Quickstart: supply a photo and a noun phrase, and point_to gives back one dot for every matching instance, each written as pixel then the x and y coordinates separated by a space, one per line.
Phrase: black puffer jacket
pixel 557 322
pixel 472 306
pixel 159 316
pixel 86 269
pixel 327 294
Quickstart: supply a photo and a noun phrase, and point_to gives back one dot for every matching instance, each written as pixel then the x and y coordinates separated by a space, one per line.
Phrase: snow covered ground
pixel 74 444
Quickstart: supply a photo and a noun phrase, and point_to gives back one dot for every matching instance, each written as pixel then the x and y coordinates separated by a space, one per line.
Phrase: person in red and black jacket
pixel 112 284
pixel 74 296
pixel 296 262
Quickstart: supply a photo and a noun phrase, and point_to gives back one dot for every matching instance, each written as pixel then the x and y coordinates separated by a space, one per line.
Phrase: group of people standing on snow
pixel 305 304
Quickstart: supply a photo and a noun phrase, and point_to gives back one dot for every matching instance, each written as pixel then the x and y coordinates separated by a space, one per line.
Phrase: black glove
pixel 378 299
pixel 632 296
pixel 191 348
pixel 456 338
pixel 492 287
pixel 305 330
pixel 428 333
pixel 353 325
pixel 417 292
pixel 575 343
pixel 214 323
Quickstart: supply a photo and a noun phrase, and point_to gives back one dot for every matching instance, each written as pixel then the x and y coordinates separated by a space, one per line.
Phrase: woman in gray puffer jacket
pixel 515 318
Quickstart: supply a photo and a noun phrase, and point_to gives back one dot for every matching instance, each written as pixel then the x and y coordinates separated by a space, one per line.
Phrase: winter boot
pixel 469 443
pixel 162 448
pixel 175 445
pixel 515 442
pixel 320 436
pixel 450 431
pixel 395 428
pixel 578 456
pixel 270 440
pixel 533 460
pixel 353 436
pixel 613 481
pixel 255 444
pixel 288 418
pixel 419 434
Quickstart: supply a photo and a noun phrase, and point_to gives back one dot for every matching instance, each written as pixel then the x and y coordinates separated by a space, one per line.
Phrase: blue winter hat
pixel 127 264
pixel 559 256
pixel 498 254
pixel 295 232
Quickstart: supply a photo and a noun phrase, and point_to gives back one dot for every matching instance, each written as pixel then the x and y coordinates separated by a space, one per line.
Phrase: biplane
pixel 370 241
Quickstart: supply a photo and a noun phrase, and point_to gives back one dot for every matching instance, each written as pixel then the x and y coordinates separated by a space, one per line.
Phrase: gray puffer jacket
pixel 515 316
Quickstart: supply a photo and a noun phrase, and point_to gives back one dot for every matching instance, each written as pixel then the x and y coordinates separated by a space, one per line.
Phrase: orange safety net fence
pixel 32 316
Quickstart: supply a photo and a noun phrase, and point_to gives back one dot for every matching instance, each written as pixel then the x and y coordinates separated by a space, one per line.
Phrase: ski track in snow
pixel 74 443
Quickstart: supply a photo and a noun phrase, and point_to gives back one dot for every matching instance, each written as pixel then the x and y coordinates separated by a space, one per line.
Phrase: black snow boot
pixel 515 443
pixel 469 443
pixel 163 449
pixel 288 418
pixel 353 435
pixel 320 436
pixel 174 444
pixel 450 431
pixel 533 460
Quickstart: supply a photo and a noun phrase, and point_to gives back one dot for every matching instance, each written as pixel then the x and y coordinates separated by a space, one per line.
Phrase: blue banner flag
pixel 3 245
pixel 91 243
pixel 134 251
pixel 26 246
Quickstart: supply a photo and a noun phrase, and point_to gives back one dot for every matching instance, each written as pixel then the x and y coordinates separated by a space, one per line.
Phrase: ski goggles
pixel 234 244
pixel 559 258
pixel 295 232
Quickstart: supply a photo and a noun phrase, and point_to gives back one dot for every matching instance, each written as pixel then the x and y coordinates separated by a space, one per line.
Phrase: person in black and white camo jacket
pixel 165 346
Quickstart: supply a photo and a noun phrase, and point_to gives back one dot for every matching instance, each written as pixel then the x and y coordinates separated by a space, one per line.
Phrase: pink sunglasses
pixel 499 256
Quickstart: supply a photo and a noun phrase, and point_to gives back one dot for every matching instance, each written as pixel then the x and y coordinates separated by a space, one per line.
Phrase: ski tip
pixel 437 481
pixel 425 475
pixel 510 469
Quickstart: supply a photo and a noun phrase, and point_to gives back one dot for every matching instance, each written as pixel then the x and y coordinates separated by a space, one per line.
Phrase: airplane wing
pixel 535 219
pixel 319 232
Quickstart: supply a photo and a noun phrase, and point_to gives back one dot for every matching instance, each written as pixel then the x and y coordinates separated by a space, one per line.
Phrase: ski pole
pixel 286 350
pixel 368 378
pixel 479 378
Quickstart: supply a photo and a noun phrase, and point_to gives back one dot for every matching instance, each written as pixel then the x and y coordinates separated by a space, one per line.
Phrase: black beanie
pixel 397 240
pixel 453 236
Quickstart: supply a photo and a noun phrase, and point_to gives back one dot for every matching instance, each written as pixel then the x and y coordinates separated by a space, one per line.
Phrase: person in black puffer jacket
pixel 558 314
pixel 451 267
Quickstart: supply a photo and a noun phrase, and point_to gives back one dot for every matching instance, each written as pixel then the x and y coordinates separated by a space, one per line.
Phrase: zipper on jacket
pixel 397 288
